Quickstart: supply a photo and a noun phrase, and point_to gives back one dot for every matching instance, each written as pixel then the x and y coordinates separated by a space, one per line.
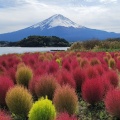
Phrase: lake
pixel 8 50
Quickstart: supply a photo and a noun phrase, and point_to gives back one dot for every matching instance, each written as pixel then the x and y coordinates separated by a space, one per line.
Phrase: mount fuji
pixel 60 26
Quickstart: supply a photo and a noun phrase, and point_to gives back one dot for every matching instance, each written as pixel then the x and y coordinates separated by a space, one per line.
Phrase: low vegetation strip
pixel 112 44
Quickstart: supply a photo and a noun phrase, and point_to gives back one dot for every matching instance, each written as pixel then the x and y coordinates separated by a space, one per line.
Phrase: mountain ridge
pixel 56 20
pixel 60 26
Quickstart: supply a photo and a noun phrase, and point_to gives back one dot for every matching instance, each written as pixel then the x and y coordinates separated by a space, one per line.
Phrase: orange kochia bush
pixel 46 86
pixel 65 99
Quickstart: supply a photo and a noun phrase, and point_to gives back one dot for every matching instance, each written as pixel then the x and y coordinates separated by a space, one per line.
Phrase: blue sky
pixel 98 14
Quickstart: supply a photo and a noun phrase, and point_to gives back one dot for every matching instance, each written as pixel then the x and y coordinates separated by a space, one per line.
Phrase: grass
pixel 97 112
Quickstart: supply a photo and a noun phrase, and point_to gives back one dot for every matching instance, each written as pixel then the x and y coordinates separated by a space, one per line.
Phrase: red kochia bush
pixel 92 91
pixel 79 77
pixel 118 64
pixel 91 72
pixel 112 102
pixel 106 84
pixel 52 67
pixel 65 116
pixel 112 76
pixel 11 73
pixel 4 116
pixel 66 65
pixel 32 84
pixel 5 84
pixel 100 70
pixel 2 70
pixel 65 77
pixel 74 63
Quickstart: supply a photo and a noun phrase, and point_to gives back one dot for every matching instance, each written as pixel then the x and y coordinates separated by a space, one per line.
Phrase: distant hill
pixel 60 26
pixel 40 41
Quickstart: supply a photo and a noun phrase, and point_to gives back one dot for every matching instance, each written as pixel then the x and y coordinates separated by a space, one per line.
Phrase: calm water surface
pixel 7 50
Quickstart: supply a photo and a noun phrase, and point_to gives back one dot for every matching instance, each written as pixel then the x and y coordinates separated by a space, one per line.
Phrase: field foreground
pixel 60 86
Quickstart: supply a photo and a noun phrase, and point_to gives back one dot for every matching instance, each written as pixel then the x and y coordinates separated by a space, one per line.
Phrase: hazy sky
pixel 98 14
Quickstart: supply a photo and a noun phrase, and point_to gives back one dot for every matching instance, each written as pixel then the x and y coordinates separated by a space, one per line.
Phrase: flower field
pixel 60 86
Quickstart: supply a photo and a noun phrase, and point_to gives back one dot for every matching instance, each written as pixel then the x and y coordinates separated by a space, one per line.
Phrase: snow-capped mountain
pixel 60 26
pixel 54 21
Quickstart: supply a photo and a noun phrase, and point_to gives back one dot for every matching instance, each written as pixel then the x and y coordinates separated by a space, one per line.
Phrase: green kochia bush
pixel 24 75
pixel 42 110
pixel 19 101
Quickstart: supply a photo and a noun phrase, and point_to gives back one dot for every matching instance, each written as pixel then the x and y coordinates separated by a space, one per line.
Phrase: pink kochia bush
pixel 65 116
pixel 112 102
pixel 112 76
pixel 106 84
pixel 92 91
pixel 52 67
pixel 5 84
pixel 4 116
pixel 32 84
pixel 65 77
pixel 11 73
pixel 66 64
pixel 79 77
pixel 91 72
pixel 100 70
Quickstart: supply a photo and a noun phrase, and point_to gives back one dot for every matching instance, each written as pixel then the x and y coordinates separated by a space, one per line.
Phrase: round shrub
pixel 32 84
pixel 92 91
pixel 11 73
pixel 2 70
pixel 112 102
pixel 46 86
pixel 42 110
pixel 52 67
pixel 112 76
pixel 79 77
pixel 65 77
pixel 65 99
pixel 112 63
pixel 24 75
pixel 66 64
pixel 94 61
pixel 84 62
pixel 91 72
pixel 74 64
pixel 5 85
pixel 100 70
pixel 118 65
pixel 4 116
pixel 65 116
pixel 106 84
pixel 19 101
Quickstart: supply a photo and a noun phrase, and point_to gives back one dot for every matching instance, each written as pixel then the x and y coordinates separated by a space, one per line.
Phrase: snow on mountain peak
pixel 54 21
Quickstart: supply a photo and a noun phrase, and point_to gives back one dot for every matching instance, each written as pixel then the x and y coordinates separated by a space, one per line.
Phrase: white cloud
pixel 108 1
pixel 23 13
